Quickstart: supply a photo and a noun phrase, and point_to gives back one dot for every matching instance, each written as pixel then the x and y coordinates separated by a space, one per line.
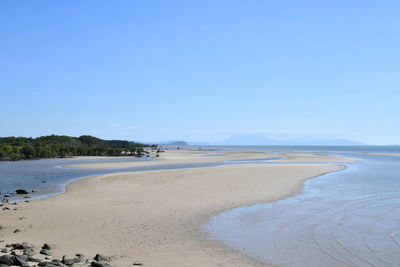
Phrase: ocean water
pixel 346 218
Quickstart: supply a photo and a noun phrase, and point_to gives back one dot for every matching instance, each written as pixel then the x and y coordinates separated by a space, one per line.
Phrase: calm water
pixel 347 218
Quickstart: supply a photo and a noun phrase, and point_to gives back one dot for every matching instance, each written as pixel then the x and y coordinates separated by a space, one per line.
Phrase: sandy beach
pixel 156 217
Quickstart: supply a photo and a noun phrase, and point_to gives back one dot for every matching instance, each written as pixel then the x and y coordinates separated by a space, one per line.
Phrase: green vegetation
pixel 60 146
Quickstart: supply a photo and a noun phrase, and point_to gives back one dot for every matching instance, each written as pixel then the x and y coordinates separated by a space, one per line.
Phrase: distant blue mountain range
pixel 262 140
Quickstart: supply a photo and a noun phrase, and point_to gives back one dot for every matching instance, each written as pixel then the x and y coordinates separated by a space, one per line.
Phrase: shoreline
pixel 194 237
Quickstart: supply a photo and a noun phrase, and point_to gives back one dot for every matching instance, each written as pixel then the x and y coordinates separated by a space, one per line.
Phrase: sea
pixel 346 218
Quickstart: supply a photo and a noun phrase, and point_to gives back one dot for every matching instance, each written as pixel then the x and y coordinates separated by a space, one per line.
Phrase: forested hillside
pixel 51 146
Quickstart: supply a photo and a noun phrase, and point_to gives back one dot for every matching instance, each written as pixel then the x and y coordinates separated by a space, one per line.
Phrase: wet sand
pixel 154 217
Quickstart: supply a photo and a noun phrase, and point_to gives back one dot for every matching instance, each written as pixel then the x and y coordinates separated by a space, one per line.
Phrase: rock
pixel 57 263
pixel 17 231
pixel 33 190
pixel 27 197
pixel 68 261
pixel 19 260
pixel 6 208
pixel 13 253
pixel 6 259
pixel 137 264
pixel 48 258
pixel 21 218
pixel 80 258
pixel 44 181
pixel 15 203
pixel 32 259
pixel 4 200
pixel 29 252
pixel 21 192
pixel 48 246
pixel 9 246
pixel 7 195
pixel 46 264
pixel 99 264
pixel 1 227
pixel 100 257
pixel 4 250
pixel 46 252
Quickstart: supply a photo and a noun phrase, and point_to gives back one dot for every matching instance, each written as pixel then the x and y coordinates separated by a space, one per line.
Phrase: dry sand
pixel 154 217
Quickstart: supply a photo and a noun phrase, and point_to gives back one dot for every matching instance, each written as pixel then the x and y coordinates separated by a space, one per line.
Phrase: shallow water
pixel 29 174
pixel 346 218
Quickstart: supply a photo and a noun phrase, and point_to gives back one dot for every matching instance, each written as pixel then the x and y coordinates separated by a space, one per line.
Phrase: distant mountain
pixel 248 140
pixel 178 143
pixel 257 140
pixel 172 143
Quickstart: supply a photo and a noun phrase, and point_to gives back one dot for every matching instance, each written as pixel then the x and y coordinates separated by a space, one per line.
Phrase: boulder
pixel 46 252
pixel 19 260
pixel 6 259
pixel 99 264
pixel 48 246
pixel 21 192
pixel 100 257
pixel 32 259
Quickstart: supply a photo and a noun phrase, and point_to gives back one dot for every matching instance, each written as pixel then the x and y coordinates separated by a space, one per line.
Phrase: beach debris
pixel 21 192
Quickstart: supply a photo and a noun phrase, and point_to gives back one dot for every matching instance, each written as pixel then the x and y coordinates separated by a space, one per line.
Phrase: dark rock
pixel 100 257
pixel 57 263
pixel 33 190
pixel 6 208
pixel 23 245
pixel 80 258
pixel 44 181
pixel 17 231
pixel 6 259
pixel 21 192
pixel 27 197
pixel 19 260
pixel 29 252
pixel 47 264
pixel 68 261
pixel 4 250
pixel 48 246
pixel 99 264
pixel 137 264
pixel 7 195
pixel 1 227
pixel 21 218
pixel 32 259
pixel 13 253
pixel 9 246
pixel 46 252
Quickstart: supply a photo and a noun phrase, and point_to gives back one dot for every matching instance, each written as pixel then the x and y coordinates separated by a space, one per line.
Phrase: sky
pixel 200 70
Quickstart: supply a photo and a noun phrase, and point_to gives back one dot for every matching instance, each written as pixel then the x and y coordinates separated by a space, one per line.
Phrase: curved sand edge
pixel 154 217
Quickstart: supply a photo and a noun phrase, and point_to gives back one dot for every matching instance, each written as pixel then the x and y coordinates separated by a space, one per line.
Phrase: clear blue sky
pixel 204 70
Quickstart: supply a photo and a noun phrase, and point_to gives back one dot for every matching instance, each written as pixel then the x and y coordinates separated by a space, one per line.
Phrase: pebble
pixel 17 231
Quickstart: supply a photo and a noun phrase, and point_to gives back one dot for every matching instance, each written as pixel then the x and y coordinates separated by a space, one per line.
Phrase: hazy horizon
pixel 201 71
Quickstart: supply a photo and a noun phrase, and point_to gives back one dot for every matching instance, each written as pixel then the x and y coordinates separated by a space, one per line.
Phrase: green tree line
pixel 59 146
